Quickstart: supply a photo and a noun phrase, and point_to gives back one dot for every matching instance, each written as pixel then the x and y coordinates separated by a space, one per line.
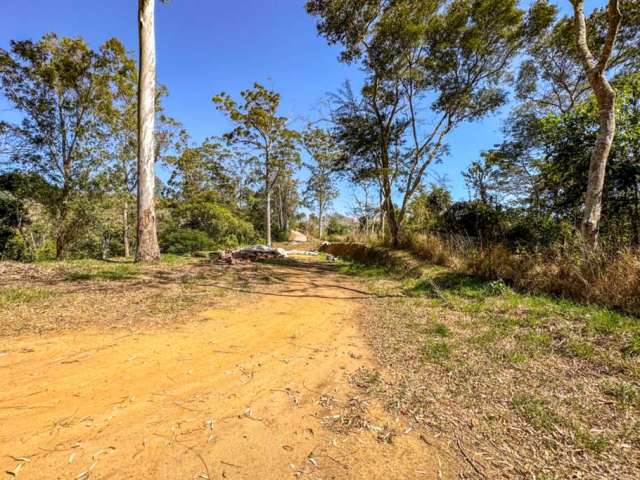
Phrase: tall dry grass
pixel 608 278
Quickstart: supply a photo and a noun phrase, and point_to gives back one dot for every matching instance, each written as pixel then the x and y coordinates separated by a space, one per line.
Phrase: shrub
pixel 185 241
pixel 223 227
pixel 610 279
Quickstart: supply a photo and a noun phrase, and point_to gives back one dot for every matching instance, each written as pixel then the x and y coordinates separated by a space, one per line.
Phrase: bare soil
pixel 196 371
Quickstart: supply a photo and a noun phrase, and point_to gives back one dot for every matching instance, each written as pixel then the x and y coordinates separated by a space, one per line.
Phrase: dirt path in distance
pixel 249 392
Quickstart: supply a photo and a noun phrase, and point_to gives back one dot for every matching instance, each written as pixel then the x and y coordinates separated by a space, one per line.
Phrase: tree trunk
pixel 394 227
pixel 268 218
pixel 147 245
pixel 392 217
pixel 125 228
pixel 320 222
pixel 598 162
pixel 595 69
pixel 636 217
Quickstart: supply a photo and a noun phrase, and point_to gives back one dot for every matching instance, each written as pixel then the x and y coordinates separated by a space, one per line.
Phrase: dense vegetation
pixel 70 167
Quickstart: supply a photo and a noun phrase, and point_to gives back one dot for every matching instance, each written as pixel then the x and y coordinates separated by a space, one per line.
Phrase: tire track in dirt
pixel 232 394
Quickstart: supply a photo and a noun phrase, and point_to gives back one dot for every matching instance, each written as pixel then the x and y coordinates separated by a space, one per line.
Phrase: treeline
pixel 71 179
pixel 566 176
pixel 563 168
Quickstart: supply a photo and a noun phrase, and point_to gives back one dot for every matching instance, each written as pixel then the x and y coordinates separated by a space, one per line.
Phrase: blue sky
pixel 208 46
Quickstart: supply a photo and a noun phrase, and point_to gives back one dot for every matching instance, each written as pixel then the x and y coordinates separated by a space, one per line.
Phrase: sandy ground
pixel 242 393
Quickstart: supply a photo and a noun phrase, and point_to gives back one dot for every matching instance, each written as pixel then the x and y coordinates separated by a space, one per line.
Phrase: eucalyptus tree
pixel 62 89
pixel 321 189
pixel 483 178
pixel 147 245
pixel 202 168
pixel 430 65
pixel 269 144
pixel 595 67
pixel 560 71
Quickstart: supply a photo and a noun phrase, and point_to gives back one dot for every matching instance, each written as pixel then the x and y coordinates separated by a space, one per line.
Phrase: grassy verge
pixel 52 296
pixel 534 386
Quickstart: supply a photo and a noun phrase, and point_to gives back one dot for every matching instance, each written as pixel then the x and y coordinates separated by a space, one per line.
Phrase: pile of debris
pixel 253 254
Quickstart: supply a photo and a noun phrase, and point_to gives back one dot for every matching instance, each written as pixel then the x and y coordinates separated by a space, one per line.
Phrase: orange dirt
pixel 236 393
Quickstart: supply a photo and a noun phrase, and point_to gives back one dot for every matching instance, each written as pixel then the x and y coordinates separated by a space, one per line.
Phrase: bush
pixel 223 227
pixel 185 241
pixel 611 279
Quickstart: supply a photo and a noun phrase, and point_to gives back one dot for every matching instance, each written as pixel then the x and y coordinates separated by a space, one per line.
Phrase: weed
pixel 21 295
pixel 441 330
pixel 579 348
pixel 625 393
pixel 593 442
pixel 437 350
pixel 632 348
pixel 535 341
pixel 535 411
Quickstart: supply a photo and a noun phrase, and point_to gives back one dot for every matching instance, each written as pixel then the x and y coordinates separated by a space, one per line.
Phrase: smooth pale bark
pixel 268 187
pixel 605 96
pixel 125 228
pixel 320 219
pixel 268 218
pixel 147 245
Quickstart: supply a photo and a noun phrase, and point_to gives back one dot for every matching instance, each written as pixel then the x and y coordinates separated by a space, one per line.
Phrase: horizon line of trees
pixel 93 129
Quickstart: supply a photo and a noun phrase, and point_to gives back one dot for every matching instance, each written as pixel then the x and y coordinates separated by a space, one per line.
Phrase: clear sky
pixel 208 46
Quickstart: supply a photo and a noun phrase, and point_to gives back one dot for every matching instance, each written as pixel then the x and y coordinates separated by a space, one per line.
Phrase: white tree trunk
pixel 596 68
pixel 147 247
pixel 125 228
pixel 268 219
pixel 598 163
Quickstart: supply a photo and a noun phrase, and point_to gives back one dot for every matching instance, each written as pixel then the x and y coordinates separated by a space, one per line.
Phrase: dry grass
pixel 611 279
pixel 527 386
pixel 93 294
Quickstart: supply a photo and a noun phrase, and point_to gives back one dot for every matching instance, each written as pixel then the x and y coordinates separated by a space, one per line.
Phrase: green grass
pixel 534 342
pixel 21 295
pixel 441 330
pixel 108 272
pixel 626 394
pixel 79 270
pixel 363 270
pixel 577 328
pixel 593 442
pixel 437 350
pixel 535 411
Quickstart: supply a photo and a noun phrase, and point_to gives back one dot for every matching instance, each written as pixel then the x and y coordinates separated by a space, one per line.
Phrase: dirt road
pixel 248 392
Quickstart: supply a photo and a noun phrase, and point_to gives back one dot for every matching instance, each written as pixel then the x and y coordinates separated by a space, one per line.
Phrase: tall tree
pixel 202 168
pixel 147 245
pixel 483 177
pixel 447 58
pixel 595 68
pixel 62 88
pixel 321 189
pixel 270 144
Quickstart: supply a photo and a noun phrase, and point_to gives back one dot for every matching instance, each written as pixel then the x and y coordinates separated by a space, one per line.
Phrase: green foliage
pixel 185 240
pixel 267 142
pixel 418 57
pixel 437 350
pixel 65 92
pixel 535 411
pixel 321 190
pixel 201 168
pixel 204 224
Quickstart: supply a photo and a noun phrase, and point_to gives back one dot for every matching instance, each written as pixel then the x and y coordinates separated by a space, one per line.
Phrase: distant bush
pixel 222 227
pixel 185 241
